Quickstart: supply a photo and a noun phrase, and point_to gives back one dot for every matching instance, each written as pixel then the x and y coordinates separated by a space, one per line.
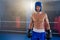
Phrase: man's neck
pixel 39 12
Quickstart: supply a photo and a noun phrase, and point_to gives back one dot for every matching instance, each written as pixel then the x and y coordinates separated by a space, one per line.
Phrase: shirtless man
pixel 37 23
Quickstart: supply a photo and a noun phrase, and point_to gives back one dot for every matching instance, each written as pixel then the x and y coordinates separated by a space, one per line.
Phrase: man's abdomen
pixel 39 25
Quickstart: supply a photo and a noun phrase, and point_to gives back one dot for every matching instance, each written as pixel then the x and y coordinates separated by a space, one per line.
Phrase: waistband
pixel 38 30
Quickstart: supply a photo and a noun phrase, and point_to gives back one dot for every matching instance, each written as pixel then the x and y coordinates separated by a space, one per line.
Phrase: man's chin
pixel 37 10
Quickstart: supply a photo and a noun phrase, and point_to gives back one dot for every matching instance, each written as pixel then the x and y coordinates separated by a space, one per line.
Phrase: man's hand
pixel 29 34
pixel 48 34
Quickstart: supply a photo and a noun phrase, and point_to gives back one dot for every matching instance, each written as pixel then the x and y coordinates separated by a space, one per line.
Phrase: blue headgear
pixel 38 4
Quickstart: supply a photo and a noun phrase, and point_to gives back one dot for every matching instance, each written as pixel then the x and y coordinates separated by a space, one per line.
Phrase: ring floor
pixel 18 36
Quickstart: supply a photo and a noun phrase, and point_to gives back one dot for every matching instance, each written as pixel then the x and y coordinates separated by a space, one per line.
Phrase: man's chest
pixel 38 17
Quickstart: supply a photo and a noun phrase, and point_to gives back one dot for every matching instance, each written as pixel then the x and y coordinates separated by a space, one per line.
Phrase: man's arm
pixel 30 28
pixel 31 24
pixel 48 30
pixel 47 22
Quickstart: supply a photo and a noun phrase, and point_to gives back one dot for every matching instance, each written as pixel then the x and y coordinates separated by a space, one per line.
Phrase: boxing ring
pixel 15 18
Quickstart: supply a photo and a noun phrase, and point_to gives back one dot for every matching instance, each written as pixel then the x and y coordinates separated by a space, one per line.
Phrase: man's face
pixel 38 8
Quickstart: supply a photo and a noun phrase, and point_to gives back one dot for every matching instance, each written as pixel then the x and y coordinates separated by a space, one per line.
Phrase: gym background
pixel 15 15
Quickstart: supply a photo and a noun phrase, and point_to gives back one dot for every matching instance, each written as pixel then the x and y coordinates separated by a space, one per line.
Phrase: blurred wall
pixel 23 9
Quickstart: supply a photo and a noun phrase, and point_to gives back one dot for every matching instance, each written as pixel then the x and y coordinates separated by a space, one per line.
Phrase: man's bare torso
pixel 38 20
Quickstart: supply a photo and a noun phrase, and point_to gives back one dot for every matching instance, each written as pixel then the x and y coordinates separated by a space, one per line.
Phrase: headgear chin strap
pixel 38 4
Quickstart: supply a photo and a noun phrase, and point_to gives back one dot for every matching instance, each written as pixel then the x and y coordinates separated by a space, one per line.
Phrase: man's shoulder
pixel 34 13
pixel 44 13
pixel 41 12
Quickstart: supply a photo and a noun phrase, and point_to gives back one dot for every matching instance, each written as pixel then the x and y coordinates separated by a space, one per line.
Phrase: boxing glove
pixel 48 34
pixel 29 34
